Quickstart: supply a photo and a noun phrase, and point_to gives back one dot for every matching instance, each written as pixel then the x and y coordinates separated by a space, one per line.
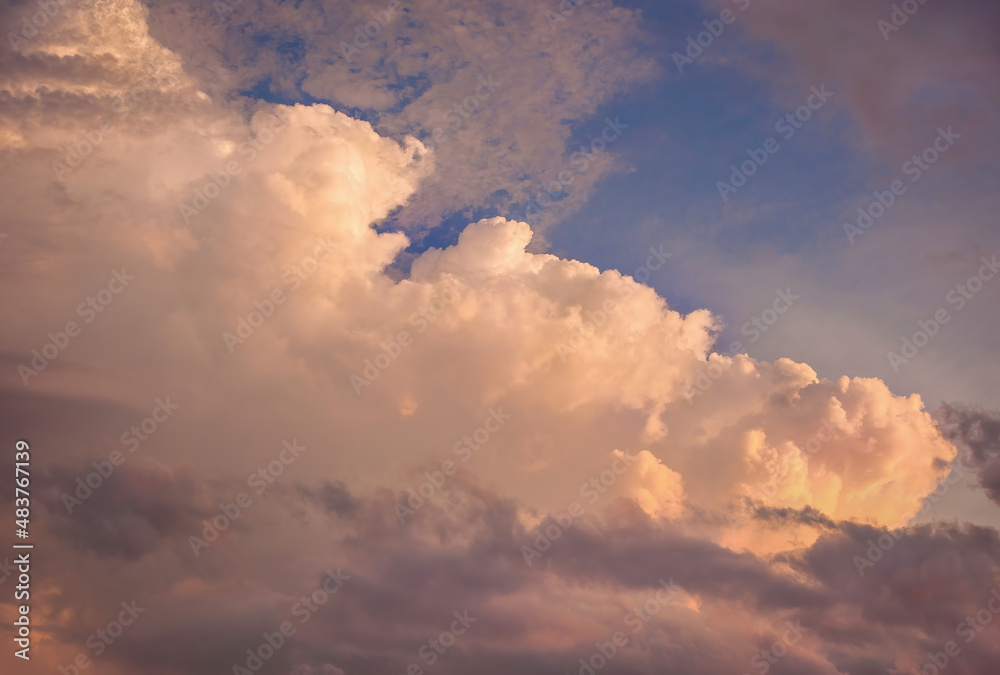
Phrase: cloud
pixel 462 554
pixel 128 515
pixel 976 431
pixel 899 88
pixel 557 362
pixel 542 335
pixel 499 118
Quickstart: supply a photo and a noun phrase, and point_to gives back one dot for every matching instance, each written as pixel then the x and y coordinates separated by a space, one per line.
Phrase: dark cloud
pixel 978 432
pixel 462 551
pixel 128 512
pixel 334 496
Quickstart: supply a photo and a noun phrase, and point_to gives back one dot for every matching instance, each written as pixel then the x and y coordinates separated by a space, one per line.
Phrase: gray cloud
pixel 978 432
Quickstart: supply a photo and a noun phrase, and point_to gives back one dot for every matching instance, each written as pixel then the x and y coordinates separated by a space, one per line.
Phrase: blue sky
pixel 684 133
pixel 563 75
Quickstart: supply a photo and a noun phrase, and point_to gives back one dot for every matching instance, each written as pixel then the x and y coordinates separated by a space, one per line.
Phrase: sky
pixel 453 336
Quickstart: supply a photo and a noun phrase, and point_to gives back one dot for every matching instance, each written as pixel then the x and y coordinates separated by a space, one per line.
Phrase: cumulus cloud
pixel 653 486
pixel 264 304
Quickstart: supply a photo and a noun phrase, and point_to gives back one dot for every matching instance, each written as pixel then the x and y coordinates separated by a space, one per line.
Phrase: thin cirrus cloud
pixel 266 305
